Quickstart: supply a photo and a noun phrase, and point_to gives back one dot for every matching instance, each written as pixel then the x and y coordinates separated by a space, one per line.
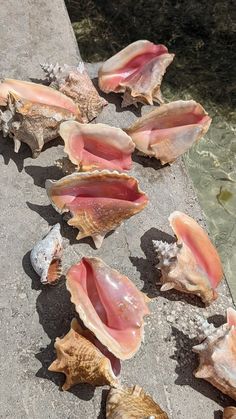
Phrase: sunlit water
pixel 212 166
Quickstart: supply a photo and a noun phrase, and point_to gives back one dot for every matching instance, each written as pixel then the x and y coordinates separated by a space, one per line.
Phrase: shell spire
pixel 217 356
pixel 74 82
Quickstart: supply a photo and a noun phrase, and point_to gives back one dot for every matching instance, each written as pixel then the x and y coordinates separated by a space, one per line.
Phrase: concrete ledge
pixel 31 316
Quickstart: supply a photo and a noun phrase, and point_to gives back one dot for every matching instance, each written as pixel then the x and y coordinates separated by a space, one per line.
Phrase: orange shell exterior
pixel 81 361
pixel 132 403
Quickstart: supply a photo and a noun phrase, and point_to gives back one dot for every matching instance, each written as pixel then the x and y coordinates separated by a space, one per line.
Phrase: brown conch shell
pixel 170 130
pixel 132 403
pixel 81 361
pixel 109 304
pixel 97 146
pixel 217 354
pixel 98 201
pixel 191 265
pixel 136 71
pixel 32 123
pixel 46 256
pixel 75 83
pixel 229 413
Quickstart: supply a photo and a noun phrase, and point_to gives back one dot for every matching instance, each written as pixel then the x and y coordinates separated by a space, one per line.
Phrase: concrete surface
pixel 33 316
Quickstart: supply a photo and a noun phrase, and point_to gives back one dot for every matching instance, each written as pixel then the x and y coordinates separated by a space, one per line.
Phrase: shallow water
pixel 201 36
pixel 212 167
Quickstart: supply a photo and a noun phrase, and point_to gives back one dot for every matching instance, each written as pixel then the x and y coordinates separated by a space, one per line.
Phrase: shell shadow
pixel 147 161
pixel 52 217
pixel 8 153
pixel 40 174
pixel 187 362
pixel 44 81
pixel 116 99
pixel 218 414
pixel 150 275
pixel 55 312
pixel 102 413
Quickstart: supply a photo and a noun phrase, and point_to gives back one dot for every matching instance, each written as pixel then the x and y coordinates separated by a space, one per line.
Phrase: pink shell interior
pixel 171 129
pixel 231 316
pixel 113 306
pixel 93 151
pixel 191 234
pixel 130 68
pixel 98 192
pixel 36 93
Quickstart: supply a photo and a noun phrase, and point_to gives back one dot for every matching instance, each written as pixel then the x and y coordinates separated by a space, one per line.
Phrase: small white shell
pixel 46 255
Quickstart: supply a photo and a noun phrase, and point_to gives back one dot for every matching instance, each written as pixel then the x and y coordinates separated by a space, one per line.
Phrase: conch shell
pixel 109 305
pixel 97 146
pixel 46 256
pixel 170 130
pixel 75 83
pixel 98 201
pixel 32 123
pixel 81 361
pixel 132 403
pixel 136 71
pixel 217 355
pixel 38 93
pixel 191 265
pixel 229 413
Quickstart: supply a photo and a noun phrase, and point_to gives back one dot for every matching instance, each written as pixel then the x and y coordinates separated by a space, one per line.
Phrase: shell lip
pixel 106 339
pixel 82 141
pixel 189 232
pixel 49 183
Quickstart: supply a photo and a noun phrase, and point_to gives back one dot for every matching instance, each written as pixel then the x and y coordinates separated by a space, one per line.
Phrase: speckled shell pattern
pixel 46 251
pixel 132 403
pixel 75 83
pixel 81 361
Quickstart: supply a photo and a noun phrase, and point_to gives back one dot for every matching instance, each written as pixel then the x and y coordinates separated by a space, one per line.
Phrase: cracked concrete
pixel 32 316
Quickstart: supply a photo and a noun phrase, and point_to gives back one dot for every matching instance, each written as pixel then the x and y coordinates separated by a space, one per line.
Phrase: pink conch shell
pixel 109 305
pixel 137 71
pixel 75 83
pixel 81 361
pixel 46 256
pixel 97 146
pixel 37 93
pixel 170 130
pixel 217 355
pixel 229 413
pixel 191 265
pixel 98 201
pixel 32 123
pixel 132 403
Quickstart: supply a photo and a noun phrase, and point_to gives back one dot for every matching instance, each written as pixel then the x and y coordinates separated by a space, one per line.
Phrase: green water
pixel 202 35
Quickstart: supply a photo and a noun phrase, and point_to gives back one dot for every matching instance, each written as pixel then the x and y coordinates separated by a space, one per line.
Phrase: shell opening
pixel 109 305
pixel 54 271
